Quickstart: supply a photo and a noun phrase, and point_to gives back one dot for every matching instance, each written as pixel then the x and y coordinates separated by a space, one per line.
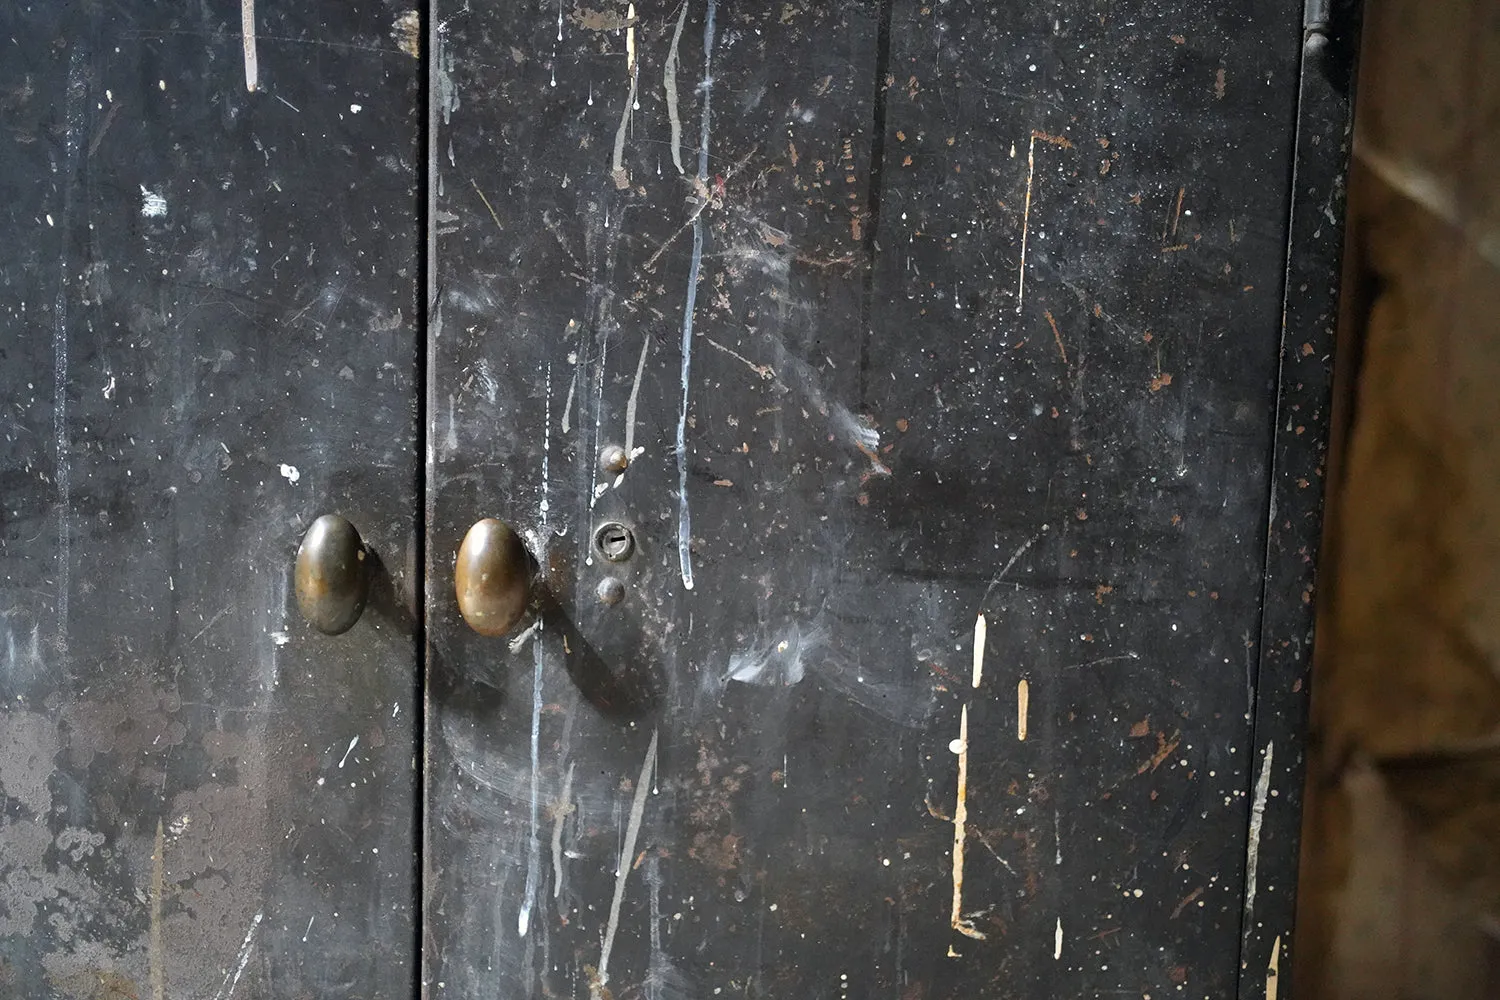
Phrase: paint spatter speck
pixel 350 749
pixel 290 473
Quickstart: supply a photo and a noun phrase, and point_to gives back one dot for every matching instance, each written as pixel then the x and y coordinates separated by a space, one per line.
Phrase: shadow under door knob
pixel 492 577
pixel 333 575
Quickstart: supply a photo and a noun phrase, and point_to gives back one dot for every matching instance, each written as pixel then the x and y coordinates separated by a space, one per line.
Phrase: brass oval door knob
pixel 332 575
pixel 492 577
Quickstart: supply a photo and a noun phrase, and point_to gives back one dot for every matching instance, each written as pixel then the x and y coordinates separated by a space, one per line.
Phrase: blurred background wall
pixel 1400 888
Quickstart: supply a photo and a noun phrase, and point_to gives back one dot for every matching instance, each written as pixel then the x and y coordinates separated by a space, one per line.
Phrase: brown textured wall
pixel 1401 855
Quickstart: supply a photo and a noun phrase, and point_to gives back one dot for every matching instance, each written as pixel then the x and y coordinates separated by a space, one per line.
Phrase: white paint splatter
pixel 355 109
pixel 153 203
pixel 290 474
pixel 350 749
pixel 1057 941
pixel 232 979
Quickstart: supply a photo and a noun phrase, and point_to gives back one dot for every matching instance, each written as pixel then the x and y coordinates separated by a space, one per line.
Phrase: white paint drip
pixel 247 35
pixel 684 515
pixel 1057 941
pixel 1257 820
pixel 560 813
pixel 534 854
pixel 153 203
pixel 617 164
pixel 630 404
pixel 232 978
pixel 352 744
pixel 669 84
pixel 632 831
pixel 980 630
pixel 1057 835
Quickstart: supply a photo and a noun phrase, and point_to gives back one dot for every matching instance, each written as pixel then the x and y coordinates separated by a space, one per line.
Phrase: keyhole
pixel 615 542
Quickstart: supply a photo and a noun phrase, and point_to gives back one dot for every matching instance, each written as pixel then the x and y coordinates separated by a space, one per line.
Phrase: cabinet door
pixel 927 352
pixel 207 340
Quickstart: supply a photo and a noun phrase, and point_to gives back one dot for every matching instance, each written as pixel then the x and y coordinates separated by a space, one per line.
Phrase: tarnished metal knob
pixel 492 577
pixel 332 577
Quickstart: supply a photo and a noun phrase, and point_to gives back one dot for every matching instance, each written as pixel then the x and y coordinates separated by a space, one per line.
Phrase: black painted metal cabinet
pixel 913 413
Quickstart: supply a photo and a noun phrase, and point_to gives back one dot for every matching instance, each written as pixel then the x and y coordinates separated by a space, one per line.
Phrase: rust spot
pixel 1164 749
pixel 1056 140
pixel 1177 912
pixel 1100 591
pixel 1142 728
pixel 1160 382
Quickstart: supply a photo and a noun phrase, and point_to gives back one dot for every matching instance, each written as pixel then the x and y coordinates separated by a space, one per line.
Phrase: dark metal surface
pixel 942 341
pixel 206 340
pixel 1301 433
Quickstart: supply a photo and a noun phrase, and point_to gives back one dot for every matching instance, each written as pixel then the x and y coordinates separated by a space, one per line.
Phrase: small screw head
pixel 614 541
pixel 613 459
pixel 610 590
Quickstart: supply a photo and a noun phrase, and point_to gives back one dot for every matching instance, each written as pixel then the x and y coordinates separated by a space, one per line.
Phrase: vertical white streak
pixel 534 850
pixel 247 34
pixel 1026 223
pixel 155 959
pixel 1257 820
pixel 617 164
pixel 635 395
pixel 1057 941
pixel 77 92
pixel 622 870
pixel 684 516
pixel 232 978
pixel 669 84
pixel 534 853
pixel 559 815
pixel 981 628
